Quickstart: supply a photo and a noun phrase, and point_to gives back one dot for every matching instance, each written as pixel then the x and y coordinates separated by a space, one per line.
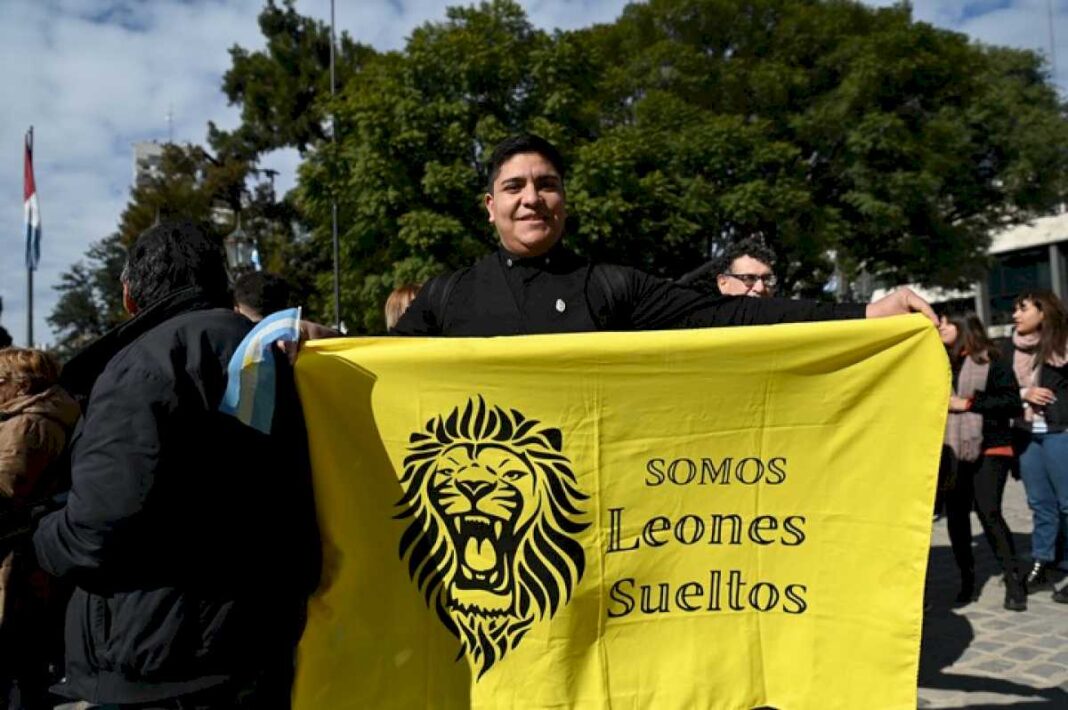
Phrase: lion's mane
pixel 548 561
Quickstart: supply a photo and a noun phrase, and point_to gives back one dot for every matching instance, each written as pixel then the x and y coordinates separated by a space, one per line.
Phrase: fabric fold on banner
pixel 721 518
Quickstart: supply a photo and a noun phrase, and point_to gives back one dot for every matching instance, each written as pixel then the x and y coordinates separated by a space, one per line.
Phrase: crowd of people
pixel 185 576
pixel 1008 414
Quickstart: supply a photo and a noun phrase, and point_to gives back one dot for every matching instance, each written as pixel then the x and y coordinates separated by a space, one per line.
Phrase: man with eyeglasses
pixel 750 264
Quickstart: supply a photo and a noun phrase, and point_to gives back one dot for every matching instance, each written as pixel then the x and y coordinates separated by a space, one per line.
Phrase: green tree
pixel 280 89
pixel 189 184
pixel 414 128
pixel 850 138
pixel 214 189
pixel 90 297
pixel 186 186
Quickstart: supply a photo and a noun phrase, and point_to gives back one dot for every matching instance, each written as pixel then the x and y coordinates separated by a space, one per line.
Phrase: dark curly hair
pixel 171 256
pixel 753 247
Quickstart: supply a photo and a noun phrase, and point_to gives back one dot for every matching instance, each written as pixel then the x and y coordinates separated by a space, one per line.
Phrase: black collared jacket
pixel 564 293
pixel 189 537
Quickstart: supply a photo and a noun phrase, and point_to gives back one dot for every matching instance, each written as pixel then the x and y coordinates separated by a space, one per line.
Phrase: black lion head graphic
pixel 494 506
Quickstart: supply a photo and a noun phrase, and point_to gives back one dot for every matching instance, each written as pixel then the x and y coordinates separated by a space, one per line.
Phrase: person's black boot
pixel 1061 595
pixel 966 595
pixel 1037 578
pixel 1015 593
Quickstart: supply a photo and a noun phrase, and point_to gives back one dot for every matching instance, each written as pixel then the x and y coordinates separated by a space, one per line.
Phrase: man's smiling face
pixel 527 205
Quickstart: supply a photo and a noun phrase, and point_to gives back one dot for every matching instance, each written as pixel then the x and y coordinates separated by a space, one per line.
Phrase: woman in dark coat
pixel 979 439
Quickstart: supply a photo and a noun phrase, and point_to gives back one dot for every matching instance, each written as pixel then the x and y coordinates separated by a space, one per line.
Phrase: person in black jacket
pixel 979 452
pixel 534 284
pixel 188 536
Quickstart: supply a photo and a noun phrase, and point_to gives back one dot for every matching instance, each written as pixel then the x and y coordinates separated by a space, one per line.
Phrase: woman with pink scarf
pixel 1041 365
pixel 978 452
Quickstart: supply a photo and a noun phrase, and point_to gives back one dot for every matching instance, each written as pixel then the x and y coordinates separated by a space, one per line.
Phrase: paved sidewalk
pixel 980 655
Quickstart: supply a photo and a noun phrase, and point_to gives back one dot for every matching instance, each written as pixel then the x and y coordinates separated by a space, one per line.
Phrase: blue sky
pixel 94 76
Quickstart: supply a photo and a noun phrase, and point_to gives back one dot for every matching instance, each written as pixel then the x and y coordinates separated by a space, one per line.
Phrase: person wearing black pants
pixel 979 484
pixel 979 441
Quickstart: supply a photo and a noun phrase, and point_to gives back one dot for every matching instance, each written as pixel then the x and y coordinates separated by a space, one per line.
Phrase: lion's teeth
pixel 497 527
pixel 494 577
pixel 456 524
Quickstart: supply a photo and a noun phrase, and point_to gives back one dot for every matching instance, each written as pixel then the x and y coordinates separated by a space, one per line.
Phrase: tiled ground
pixel 979 655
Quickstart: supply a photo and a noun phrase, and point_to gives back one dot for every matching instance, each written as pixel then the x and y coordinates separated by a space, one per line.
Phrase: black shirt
pixel 561 292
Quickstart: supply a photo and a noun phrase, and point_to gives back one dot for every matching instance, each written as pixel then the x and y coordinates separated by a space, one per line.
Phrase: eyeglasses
pixel 750 279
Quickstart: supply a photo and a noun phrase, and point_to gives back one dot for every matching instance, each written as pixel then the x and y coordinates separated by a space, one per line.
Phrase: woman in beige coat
pixel 36 418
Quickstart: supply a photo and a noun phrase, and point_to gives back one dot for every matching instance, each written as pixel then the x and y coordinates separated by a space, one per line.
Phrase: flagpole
pixel 1052 42
pixel 29 272
pixel 29 308
pixel 333 191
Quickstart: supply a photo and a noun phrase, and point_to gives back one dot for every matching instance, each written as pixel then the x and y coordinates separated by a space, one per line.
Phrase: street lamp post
pixel 240 250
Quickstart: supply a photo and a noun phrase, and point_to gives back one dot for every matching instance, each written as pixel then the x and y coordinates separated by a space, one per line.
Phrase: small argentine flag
pixel 249 392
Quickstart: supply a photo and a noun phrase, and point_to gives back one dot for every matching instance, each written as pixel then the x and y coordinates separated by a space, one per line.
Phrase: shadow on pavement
pixel 947 633
pixel 1044 697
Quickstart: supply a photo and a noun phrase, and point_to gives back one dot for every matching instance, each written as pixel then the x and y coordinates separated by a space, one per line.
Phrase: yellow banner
pixel 724 518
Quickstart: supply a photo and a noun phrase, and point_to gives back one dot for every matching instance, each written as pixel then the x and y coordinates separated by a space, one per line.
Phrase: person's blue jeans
pixel 1044 470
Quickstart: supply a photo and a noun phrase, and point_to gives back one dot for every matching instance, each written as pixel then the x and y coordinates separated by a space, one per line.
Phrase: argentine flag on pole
pixel 249 392
pixel 31 208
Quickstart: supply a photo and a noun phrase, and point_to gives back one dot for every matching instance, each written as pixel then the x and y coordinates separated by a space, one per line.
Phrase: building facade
pixel 1028 256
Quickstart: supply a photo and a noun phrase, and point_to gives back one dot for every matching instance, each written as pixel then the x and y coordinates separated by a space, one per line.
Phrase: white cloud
pixel 91 88
pixel 93 76
pixel 1014 23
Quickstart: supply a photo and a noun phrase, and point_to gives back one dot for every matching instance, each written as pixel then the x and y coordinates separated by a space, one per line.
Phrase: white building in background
pixel 147 162
pixel 1027 256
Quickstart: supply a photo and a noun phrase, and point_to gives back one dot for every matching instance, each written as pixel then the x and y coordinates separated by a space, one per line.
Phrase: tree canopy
pixel 846 136
pixel 850 138
pixel 90 297
pixel 189 183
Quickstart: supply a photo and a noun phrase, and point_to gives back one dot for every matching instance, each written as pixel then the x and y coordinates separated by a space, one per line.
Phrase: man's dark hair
pixel 262 292
pixel 171 256
pixel 522 143
pixel 753 247
pixel 5 337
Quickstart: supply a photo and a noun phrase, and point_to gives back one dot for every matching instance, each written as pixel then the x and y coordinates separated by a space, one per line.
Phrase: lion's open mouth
pixel 483 557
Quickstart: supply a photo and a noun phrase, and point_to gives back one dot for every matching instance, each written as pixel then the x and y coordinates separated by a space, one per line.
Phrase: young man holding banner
pixel 683 519
pixel 534 284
